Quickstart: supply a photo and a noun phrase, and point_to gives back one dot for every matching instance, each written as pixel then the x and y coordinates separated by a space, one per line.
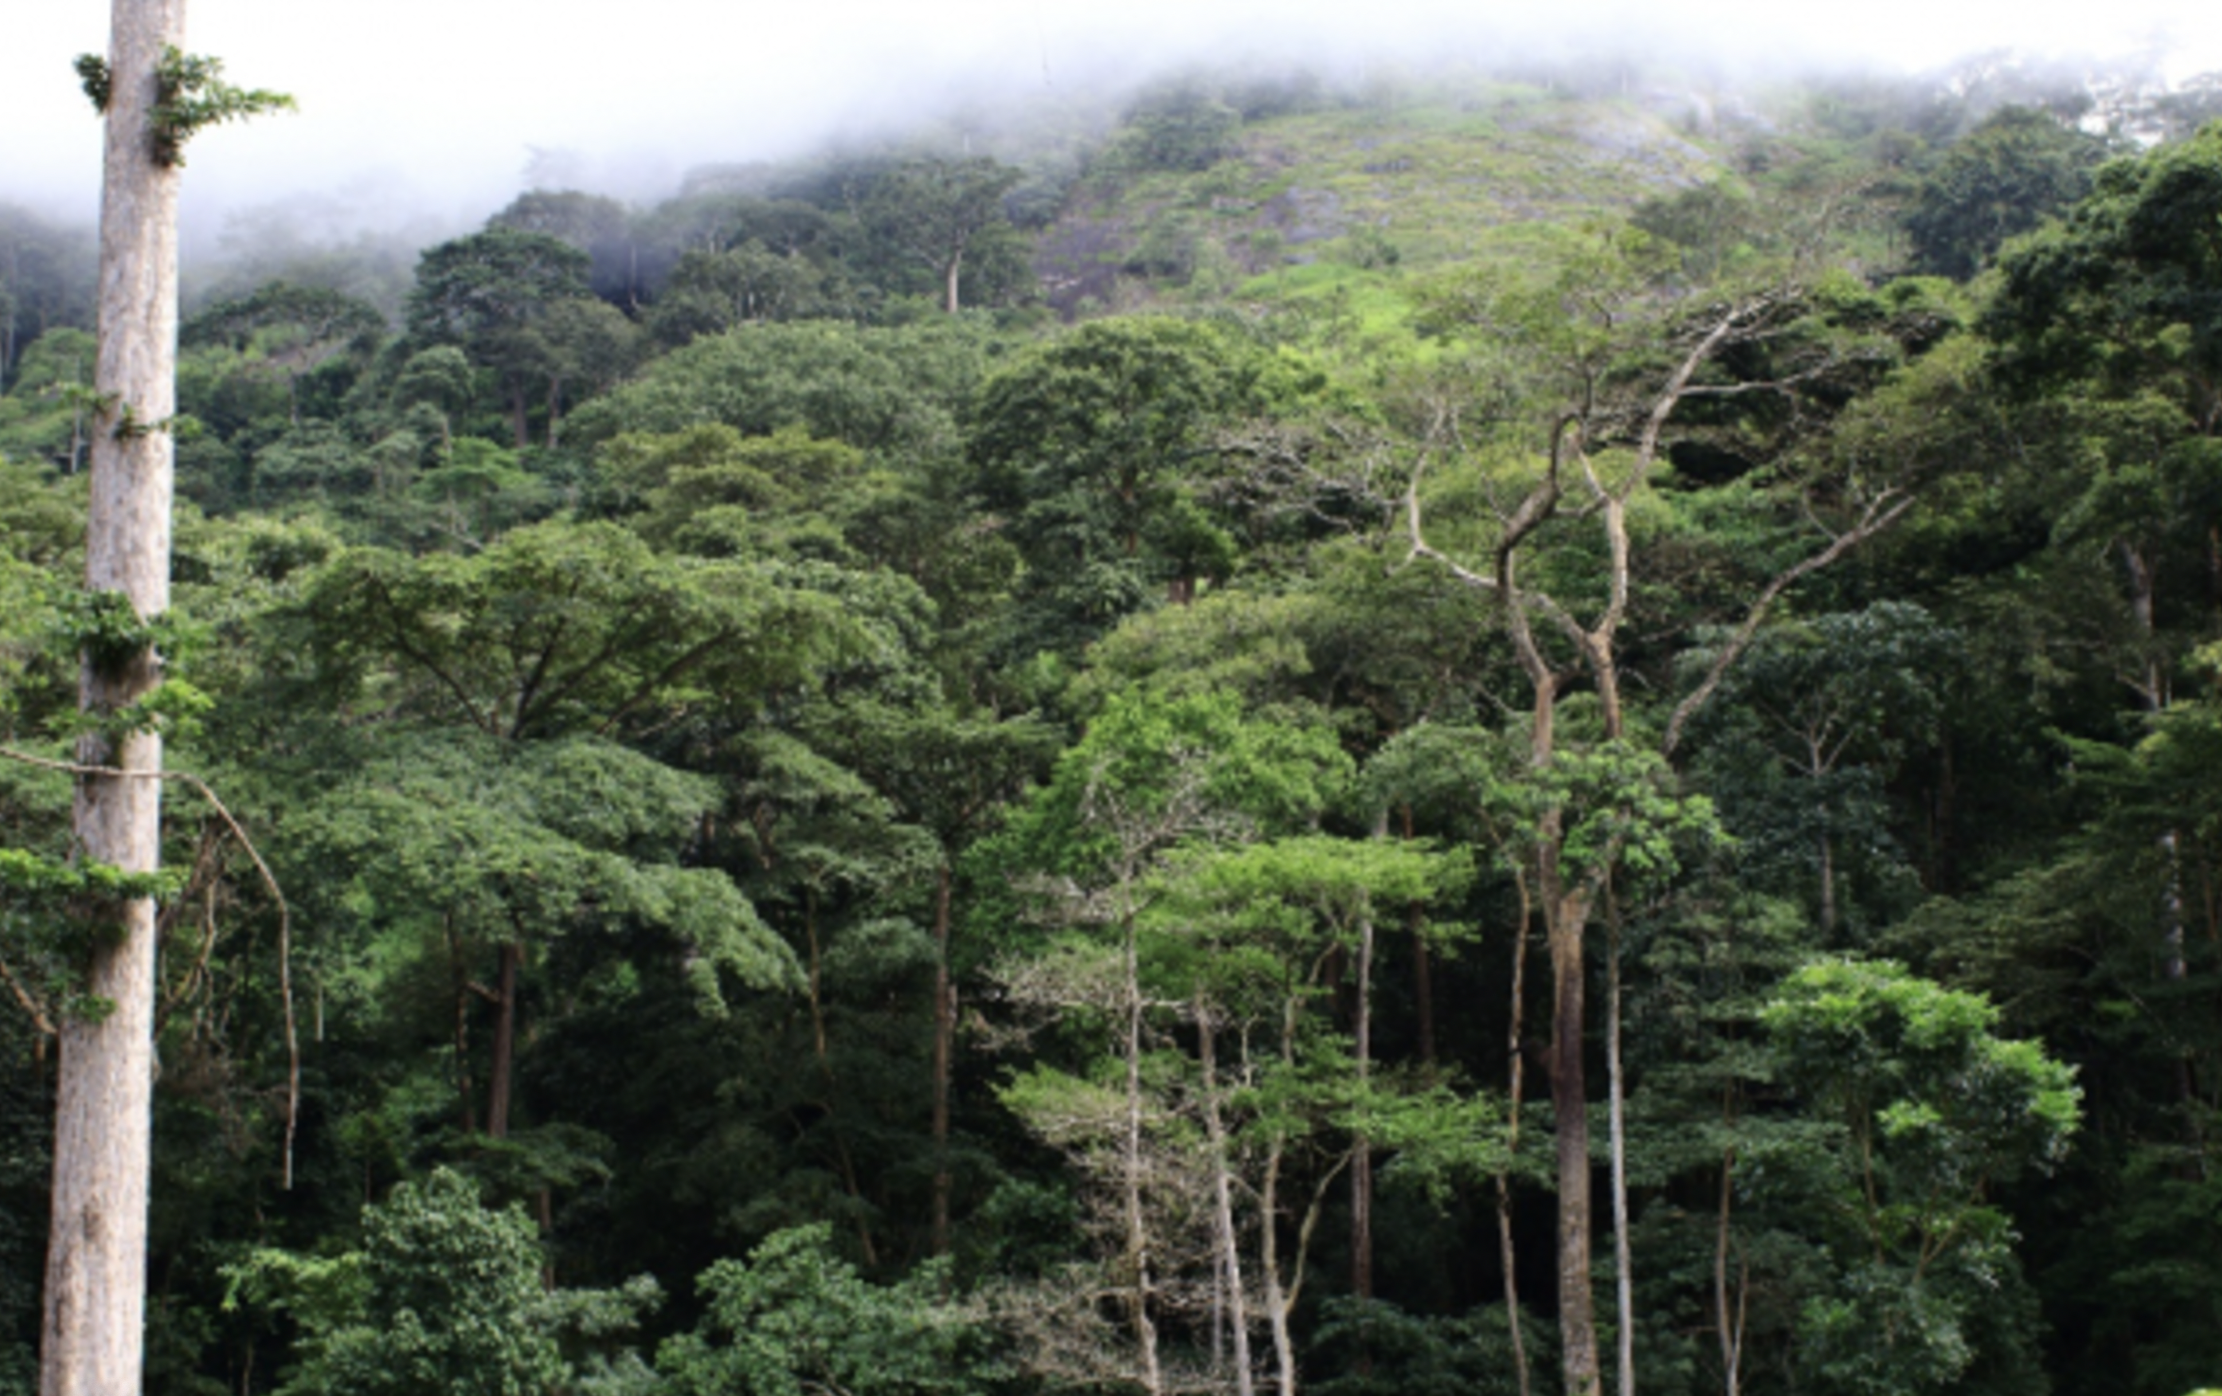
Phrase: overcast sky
pixel 437 105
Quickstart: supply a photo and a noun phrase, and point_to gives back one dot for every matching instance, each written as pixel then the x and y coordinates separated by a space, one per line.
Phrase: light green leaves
pixel 190 96
pixel 1934 1109
pixel 794 1319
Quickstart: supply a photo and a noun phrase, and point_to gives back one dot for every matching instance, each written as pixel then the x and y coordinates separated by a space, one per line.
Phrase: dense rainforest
pixel 1483 733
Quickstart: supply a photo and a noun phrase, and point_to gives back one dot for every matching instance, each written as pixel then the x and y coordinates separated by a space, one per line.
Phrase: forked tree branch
pixel 1874 520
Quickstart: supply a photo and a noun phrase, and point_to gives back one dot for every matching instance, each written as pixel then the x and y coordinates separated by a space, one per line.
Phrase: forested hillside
pixel 1483 734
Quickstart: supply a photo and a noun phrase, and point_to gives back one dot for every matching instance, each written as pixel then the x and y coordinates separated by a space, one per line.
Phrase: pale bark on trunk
pixel 1281 1296
pixel 1423 986
pixel 2153 691
pixel 1566 908
pixel 1729 1326
pixel 1277 1301
pixel 95 1292
pixel 1565 924
pixel 1222 1203
pixel 1616 1093
pixel 1361 1149
pixel 1137 1230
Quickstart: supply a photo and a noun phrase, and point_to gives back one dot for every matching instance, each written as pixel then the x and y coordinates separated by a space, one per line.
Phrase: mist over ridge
pixel 399 147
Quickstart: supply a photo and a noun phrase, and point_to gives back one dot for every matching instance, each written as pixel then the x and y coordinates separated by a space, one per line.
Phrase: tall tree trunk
pixel 1222 1205
pixel 95 1295
pixel 1624 1294
pixel 1276 1300
pixel 1828 889
pixel 2177 968
pixel 1516 1044
pixel 1137 1230
pixel 502 1073
pixel 945 1023
pixel 822 1048
pixel 949 281
pixel 1729 1326
pixel 1423 975
pixel 2153 690
pixel 1567 916
pixel 1281 1296
pixel 517 425
pixel 465 1094
pixel 1361 1149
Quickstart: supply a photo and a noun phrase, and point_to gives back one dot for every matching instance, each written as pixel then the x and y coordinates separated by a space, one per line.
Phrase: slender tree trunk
pixel 1222 1204
pixel 1281 1296
pixel 1730 1327
pixel 95 1294
pixel 465 1093
pixel 2154 692
pixel 1567 916
pixel 1828 889
pixel 945 1022
pixel 822 1050
pixel 949 281
pixel 1276 1300
pixel 517 424
pixel 543 1206
pixel 1423 976
pixel 1423 988
pixel 1624 1293
pixel 1137 1231
pixel 1506 1253
pixel 815 982
pixel 1565 924
pixel 1361 1150
pixel 502 1073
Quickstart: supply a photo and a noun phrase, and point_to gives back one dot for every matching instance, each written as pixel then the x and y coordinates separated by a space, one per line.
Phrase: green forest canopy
pixel 1018 772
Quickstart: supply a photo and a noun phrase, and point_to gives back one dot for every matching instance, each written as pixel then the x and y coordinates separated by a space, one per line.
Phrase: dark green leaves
pixel 562 627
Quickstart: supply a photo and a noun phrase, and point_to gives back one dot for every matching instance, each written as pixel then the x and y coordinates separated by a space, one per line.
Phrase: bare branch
pixel 1874 520
pixel 1418 542
pixel 30 1002
pixel 1677 384
pixel 269 881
